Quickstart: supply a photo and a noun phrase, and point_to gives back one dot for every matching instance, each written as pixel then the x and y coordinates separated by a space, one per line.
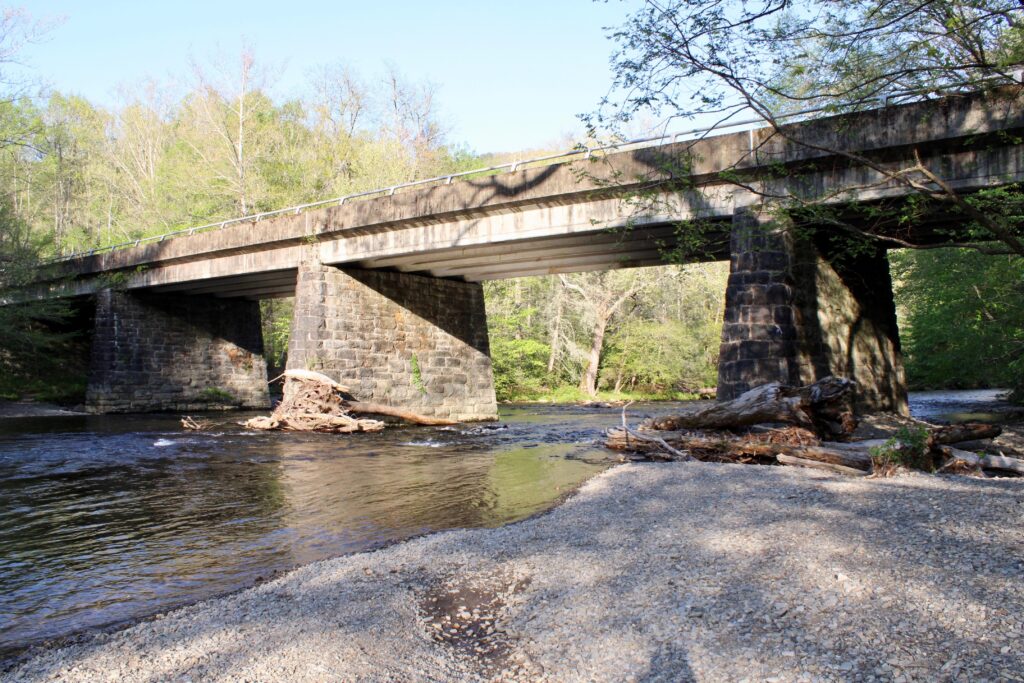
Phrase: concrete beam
pixel 594 261
pixel 564 268
pixel 427 260
pixel 609 251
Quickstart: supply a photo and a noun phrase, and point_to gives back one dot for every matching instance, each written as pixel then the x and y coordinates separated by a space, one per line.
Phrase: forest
pixel 218 143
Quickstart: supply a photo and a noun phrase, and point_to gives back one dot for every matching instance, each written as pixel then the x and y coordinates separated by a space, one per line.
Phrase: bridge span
pixel 388 294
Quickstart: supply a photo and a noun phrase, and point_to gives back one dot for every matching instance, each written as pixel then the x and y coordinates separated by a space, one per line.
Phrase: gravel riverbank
pixel 668 572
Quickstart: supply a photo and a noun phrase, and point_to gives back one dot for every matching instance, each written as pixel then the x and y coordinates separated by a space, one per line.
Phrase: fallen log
pixel 737 448
pixel 746 430
pixel 987 462
pixel 958 433
pixel 364 408
pixel 192 424
pixel 824 406
pixel 313 403
pixel 315 422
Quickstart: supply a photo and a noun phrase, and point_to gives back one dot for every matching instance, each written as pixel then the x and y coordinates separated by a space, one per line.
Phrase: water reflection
pixel 105 519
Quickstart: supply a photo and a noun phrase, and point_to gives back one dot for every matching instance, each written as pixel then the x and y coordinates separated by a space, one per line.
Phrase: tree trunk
pixel 363 408
pixel 823 406
pixel 556 327
pixel 734 448
pixel 588 383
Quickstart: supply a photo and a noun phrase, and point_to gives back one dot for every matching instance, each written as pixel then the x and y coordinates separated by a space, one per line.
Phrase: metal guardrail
pixel 510 167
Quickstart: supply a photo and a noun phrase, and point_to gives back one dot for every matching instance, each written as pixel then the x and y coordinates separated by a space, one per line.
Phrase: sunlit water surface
pixel 108 519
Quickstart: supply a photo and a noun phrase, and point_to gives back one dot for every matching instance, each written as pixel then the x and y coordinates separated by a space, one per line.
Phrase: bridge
pixel 388 295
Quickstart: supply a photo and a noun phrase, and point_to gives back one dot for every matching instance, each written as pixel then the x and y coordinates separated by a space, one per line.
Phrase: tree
pixel 779 60
pixel 604 294
pixel 722 59
pixel 26 340
pixel 983 294
pixel 73 146
pixel 225 106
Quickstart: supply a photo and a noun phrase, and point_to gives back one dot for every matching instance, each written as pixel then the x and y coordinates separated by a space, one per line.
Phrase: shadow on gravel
pixel 919 575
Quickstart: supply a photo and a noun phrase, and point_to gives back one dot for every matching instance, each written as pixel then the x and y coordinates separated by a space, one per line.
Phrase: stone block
pixel 795 314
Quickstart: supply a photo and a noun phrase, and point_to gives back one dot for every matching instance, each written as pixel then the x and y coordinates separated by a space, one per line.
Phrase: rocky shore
pixel 34 409
pixel 674 572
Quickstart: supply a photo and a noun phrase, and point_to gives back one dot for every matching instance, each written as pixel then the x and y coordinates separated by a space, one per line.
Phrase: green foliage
pixel 961 318
pixel 520 368
pixel 216 395
pixel 658 357
pixel 661 343
pixel 276 316
pixel 908 448
pixel 417 375
pixel 35 349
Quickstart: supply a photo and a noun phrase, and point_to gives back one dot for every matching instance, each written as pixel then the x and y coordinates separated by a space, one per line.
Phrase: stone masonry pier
pixel 798 308
pixel 394 338
pixel 175 353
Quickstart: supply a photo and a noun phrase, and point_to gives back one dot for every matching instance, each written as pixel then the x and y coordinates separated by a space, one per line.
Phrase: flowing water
pixel 108 519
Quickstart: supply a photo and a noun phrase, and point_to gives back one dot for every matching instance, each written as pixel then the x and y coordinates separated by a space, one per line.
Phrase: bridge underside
pixel 601 249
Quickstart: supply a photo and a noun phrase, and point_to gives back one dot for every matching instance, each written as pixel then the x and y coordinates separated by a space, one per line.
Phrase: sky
pixel 511 75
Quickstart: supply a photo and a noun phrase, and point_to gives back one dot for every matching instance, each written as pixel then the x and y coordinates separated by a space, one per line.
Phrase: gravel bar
pixel 650 572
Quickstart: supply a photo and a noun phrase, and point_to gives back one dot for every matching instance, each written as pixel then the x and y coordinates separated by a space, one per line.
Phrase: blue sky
pixel 511 75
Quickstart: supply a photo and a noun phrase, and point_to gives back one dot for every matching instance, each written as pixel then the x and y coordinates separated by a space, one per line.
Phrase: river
pixel 107 519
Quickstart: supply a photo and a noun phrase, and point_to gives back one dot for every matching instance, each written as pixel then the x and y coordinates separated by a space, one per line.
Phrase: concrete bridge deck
pixel 570 217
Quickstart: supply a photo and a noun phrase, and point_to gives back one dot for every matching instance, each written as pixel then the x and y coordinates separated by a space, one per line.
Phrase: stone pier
pixel 175 353
pixel 799 308
pixel 407 341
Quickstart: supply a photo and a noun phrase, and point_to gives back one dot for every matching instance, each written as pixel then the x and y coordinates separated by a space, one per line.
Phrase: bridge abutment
pixel 408 341
pixel 175 352
pixel 798 309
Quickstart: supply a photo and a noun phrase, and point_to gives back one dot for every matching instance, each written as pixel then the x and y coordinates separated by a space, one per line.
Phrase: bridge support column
pixel 407 341
pixel 162 352
pixel 798 309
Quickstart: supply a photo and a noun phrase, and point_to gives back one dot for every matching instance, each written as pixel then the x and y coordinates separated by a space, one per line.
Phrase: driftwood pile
pixel 810 426
pixel 315 403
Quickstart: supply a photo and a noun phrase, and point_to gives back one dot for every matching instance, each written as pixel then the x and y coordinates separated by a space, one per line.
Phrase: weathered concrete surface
pixel 404 340
pixel 799 309
pixel 533 211
pixel 154 353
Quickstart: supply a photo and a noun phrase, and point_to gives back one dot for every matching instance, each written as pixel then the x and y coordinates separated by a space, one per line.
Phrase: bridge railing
pixel 723 127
